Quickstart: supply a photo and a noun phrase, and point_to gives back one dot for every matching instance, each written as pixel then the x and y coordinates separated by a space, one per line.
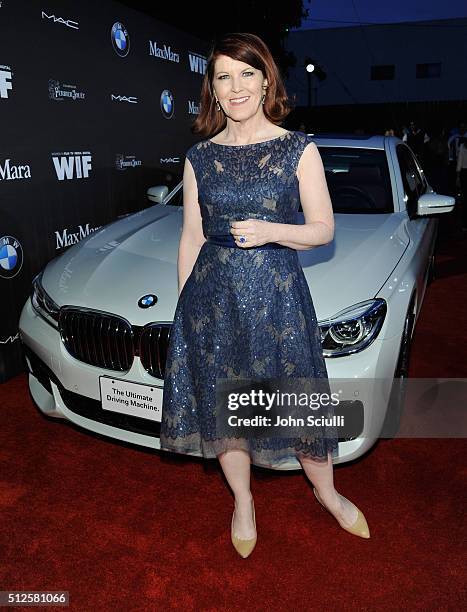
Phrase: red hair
pixel 251 50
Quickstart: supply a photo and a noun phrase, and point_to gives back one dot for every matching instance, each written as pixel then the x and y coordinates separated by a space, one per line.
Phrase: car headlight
pixel 353 329
pixel 42 303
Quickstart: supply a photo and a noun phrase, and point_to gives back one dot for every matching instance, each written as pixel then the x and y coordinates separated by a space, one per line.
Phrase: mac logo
pixel 66 22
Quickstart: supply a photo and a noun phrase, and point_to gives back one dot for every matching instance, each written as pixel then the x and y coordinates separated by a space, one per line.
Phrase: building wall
pixel 347 54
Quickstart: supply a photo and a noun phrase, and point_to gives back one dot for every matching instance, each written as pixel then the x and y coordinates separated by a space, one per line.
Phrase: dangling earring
pixel 218 106
pixel 263 98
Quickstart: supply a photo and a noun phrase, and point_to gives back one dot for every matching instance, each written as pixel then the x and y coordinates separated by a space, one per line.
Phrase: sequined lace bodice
pixel 256 181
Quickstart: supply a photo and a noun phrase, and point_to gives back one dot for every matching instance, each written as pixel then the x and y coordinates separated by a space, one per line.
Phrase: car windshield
pixel 358 180
pixel 175 195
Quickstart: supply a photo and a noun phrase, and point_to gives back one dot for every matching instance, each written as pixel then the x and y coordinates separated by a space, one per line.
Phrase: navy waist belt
pixel 227 240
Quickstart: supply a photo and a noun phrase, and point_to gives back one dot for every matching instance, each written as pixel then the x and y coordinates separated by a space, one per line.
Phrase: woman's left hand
pixel 256 232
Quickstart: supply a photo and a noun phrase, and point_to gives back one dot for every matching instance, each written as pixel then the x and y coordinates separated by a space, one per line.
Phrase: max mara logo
pixel 9 172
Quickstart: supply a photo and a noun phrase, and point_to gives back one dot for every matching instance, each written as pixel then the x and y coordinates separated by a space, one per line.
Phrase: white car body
pixel 384 256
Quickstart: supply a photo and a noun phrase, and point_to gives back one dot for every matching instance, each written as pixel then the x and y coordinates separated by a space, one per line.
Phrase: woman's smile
pixel 238 101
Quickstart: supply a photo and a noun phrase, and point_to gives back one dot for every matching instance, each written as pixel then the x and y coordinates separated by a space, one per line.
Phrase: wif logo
pixel 72 165
pixel 66 22
pixel 5 81
pixel 197 63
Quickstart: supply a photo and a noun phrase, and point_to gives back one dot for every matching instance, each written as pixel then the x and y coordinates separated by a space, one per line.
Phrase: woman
pixel 244 307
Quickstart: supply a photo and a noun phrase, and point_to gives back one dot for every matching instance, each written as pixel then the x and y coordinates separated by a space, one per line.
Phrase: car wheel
pixel 399 385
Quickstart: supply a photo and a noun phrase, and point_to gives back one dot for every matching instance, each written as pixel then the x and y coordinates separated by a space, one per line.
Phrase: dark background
pixel 33 126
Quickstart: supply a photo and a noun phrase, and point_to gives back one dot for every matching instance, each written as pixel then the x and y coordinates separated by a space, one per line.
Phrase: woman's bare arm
pixel 192 238
pixel 316 204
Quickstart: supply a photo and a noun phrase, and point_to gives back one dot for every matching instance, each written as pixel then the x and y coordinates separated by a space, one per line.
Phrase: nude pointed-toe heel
pixel 243 547
pixel 359 528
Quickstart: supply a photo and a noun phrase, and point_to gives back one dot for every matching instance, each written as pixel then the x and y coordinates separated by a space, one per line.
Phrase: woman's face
pixel 238 87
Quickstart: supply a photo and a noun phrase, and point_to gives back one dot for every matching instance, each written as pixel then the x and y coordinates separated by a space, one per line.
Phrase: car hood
pixel 116 265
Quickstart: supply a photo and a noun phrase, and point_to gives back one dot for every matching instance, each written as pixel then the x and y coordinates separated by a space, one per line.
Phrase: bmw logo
pixel 167 104
pixel 11 256
pixel 120 39
pixel 147 300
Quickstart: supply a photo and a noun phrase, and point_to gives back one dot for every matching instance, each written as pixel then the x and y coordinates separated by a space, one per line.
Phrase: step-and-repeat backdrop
pixel 96 105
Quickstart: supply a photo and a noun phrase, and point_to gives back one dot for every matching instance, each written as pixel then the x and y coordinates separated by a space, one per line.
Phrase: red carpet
pixel 128 529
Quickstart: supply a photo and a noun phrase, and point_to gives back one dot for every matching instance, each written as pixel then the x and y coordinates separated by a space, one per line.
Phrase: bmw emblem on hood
pixel 147 300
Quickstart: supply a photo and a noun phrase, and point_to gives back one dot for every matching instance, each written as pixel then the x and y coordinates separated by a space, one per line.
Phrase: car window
pixel 358 180
pixel 420 172
pixel 414 185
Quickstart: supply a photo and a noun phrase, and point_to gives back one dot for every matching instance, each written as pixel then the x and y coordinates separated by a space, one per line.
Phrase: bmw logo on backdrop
pixel 167 104
pixel 11 256
pixel 120 39
pixel 147 300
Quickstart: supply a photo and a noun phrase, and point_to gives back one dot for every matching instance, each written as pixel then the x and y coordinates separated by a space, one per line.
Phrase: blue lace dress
pixel 242 312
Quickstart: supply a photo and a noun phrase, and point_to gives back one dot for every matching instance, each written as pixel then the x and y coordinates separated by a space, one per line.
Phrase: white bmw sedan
pixel 96 326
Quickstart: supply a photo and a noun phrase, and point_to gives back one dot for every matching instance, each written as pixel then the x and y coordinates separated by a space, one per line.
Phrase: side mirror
pixel 434 203
pixel 157 194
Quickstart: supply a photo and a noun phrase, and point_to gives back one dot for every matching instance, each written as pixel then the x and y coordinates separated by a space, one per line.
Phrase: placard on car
pixel 135 399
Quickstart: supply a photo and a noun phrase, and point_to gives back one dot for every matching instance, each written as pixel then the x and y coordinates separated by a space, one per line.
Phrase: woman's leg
pixel 321 475
pixel 236 467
